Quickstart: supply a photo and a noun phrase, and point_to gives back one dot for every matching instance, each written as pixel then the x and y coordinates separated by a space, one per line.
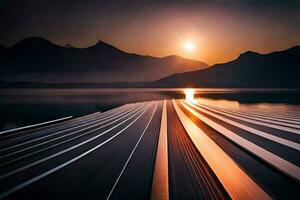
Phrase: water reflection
pixel 271 109
pixel 189 94
pixel 21 107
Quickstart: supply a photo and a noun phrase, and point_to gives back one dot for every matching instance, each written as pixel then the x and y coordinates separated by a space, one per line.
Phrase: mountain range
pixel 250 70
pixel 38 60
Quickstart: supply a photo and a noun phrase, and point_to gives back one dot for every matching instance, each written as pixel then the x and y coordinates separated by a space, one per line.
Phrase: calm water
pixel 21 107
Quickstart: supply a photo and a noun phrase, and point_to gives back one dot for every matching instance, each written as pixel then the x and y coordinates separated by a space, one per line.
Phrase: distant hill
pixel 38 60
pixel 278 69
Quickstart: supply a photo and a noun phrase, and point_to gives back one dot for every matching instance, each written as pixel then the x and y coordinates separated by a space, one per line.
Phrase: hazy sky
pixel 219 29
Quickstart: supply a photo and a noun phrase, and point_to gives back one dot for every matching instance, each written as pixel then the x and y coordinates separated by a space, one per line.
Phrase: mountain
pixel 278 69
pixel 38 60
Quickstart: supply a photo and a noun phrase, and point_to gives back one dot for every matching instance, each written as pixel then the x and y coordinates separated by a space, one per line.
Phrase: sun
pixel 188 46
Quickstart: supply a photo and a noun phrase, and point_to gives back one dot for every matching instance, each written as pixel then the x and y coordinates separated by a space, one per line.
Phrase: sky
pixel 219 30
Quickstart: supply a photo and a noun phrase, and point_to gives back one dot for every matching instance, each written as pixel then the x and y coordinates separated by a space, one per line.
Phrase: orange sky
pixel 218 36
pixel 220 30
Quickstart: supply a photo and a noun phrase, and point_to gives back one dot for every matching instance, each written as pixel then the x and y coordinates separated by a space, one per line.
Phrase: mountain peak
pixel 34 42
pixel 105 48
pixel 101 43
pixel 248 55
pixel 172 56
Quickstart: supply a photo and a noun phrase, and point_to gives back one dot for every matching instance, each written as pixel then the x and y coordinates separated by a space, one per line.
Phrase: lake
pixel 20 107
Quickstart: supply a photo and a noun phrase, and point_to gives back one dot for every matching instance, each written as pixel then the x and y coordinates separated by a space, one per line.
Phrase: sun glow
pixel 189 94
pixel 188 46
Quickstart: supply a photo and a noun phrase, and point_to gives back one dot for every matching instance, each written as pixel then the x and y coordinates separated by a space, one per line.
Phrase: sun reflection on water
pixel 189 94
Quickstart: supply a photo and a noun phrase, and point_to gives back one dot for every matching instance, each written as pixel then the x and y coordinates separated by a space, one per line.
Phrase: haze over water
pixel 28 106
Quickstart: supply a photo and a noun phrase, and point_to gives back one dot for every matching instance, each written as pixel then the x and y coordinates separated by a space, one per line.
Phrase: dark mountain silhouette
pixel 250 69
pixel 38 60
pixel 2 48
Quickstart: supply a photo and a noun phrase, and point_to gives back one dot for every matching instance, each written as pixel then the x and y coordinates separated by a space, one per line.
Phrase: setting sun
pixel 188 46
